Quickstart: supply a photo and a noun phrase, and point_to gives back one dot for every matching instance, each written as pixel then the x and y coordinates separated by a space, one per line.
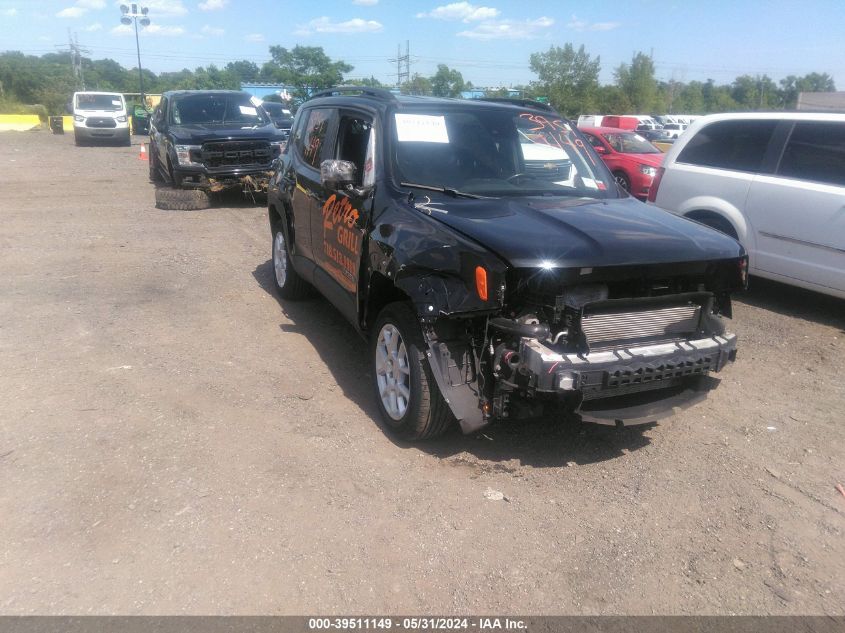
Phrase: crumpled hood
pixel 578 232
pixel 198 134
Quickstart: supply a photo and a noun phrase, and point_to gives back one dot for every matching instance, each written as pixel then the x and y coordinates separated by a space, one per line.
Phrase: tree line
pixel 566 77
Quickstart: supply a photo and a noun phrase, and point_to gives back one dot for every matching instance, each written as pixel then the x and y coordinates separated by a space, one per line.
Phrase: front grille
pixel 236 154
pixel 549 169
pixel 101 122
pixel 662 323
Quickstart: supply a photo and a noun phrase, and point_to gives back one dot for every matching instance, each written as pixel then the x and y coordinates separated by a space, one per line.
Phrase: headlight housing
pixel 79 118
pixel 121 119
pixel 648 170
pixel 183 154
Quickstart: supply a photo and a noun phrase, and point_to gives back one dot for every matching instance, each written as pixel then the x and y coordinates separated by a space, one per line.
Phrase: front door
pixel 339 229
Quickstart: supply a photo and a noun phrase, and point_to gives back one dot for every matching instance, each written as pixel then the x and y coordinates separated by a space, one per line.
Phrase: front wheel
pixel 407 395
pixel 622 181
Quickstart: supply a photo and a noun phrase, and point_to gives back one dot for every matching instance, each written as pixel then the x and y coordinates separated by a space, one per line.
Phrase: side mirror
pixel 337 174
pixel 601 149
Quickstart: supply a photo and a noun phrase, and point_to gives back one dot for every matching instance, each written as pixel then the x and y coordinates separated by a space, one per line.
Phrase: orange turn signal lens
pixel 481 282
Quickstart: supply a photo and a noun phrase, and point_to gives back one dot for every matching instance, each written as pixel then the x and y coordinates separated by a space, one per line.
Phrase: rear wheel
pixel 289 284
pixel 715 222
pixel 408 398
pixel 155 173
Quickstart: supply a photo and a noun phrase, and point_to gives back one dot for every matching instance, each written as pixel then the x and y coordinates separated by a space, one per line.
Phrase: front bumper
pixel 257 179
pixel 641 381
pixel 100 133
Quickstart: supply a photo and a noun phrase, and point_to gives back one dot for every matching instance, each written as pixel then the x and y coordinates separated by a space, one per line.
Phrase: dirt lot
pixel 175 440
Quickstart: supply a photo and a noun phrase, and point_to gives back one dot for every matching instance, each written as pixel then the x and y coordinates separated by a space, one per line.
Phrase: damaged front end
pixel 619 345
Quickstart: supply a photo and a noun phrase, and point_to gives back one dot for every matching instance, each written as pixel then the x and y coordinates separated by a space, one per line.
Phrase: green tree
pixel 755 93
pixel 638 83
pixel 791 86
pixel 243 71
pixel 418 85
pixel 447 82
pixel 306 68
pixel 568 77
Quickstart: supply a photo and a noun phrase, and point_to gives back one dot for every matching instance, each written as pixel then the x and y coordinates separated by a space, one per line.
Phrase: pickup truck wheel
pixel 622 180
pixel 406 392
pixel 182 199
pixel 155 173
pixel 289 284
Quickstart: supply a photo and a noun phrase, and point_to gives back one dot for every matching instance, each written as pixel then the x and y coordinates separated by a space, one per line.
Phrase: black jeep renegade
pixel 495 266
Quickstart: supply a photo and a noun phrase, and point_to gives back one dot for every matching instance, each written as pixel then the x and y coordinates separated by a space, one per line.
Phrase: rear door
pixel 338 227
pixel 798 212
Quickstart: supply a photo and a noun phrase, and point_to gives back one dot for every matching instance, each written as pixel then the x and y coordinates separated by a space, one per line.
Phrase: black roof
pixel 181 93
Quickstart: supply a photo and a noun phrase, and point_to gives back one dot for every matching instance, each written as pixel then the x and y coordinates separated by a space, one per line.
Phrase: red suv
pixel 631 158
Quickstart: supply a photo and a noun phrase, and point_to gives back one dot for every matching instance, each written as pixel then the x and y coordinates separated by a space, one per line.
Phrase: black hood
pixel 198 134
pixel 564 232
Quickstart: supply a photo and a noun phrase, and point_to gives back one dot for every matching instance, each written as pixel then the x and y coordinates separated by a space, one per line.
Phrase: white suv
pixel 775 182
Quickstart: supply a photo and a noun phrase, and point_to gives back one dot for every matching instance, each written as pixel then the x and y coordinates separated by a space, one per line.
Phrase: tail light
pixel 743 271
pixel 481 282
pixel 652 192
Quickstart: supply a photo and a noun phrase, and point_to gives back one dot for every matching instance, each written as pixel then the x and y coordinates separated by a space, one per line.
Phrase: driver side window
pixel 355 143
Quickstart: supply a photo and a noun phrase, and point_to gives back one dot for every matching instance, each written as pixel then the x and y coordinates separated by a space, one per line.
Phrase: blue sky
pixel 488 41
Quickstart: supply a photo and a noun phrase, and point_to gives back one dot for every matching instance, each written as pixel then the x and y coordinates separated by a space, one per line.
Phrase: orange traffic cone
pixel 143 154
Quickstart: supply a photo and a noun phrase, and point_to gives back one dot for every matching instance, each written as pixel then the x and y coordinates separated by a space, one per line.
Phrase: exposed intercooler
pixel 630 325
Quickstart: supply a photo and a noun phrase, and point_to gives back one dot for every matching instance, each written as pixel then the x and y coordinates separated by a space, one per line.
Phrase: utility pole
pixel 403 63
pixel 76 52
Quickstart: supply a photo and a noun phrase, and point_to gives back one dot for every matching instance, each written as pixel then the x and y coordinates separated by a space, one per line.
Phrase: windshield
pixel 272 108
pixel 217 109
pixel 629 143
pixel 112 103
pixel 496 152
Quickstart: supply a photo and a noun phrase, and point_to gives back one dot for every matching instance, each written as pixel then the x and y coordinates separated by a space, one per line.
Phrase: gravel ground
pixel 174 440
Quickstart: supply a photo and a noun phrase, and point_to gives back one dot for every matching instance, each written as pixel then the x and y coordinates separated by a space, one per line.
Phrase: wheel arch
pixel 703 209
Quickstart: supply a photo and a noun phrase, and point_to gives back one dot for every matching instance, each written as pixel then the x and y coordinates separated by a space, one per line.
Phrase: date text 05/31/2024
pixel 416 624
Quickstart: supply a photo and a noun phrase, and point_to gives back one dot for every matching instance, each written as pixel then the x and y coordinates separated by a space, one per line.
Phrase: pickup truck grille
pixel 236 154
pixel 661 323
pixel 101 122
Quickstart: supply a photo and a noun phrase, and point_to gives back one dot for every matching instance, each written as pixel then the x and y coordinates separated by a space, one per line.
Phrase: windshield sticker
pixel 115 102
pixel 255 101
pixel 248 110
pixel 589 183
pixel 421 128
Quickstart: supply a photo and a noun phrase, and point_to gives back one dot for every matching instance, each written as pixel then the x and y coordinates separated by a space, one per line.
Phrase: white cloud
pixel 93 27
pixel 213 5
pixel 165 7
pixel 121 29
pixel 71 12
pixel 91 4
pixel 582 25
pixel 508 29
pixel 212 30
pixel 9 12
pixel 463 11
pixel 365 3
pixel 325 25
pixel 254 37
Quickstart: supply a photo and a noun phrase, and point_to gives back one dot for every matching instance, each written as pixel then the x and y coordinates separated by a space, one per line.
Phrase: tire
pixel 407 395
pixel 175 179
pixel 622 180
pixel 78 141
pixel 289 285
pixel 182 199
pixel 155 172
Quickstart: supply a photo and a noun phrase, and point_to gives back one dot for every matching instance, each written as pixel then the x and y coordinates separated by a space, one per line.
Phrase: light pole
pixel 132 13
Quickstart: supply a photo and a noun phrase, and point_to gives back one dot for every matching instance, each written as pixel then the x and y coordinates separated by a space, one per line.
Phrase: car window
pixel 815 151
pixel 738 145
pixel 594 140
pixel 107 102
pixel 353 143
pixel 311 135
pixel 630 143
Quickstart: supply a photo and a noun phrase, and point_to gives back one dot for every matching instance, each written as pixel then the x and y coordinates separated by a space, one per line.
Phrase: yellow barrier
pixel 19 122
pixel 67 123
